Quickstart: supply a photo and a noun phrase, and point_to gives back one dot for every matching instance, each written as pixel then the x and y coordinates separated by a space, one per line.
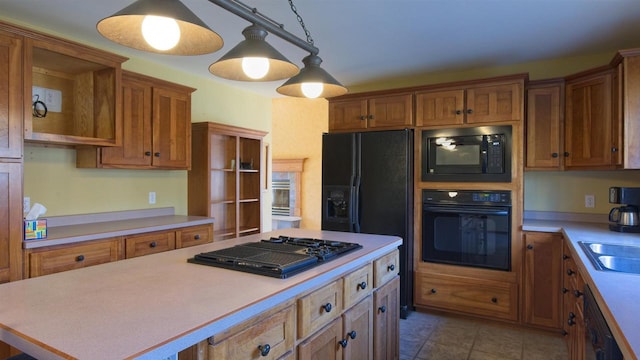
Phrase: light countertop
pixel 616 293
pixel 153 306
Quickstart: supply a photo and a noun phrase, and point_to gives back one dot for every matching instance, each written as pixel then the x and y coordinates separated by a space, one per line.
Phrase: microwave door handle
pixel 461 210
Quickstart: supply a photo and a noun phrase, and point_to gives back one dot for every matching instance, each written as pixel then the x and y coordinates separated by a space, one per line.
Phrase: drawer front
pixel 319 307
pixel 481 297
pixel 73 257
pixel 195 235
pixel 151 243
pixel 357 285
pixel 386 267
pixel 271 338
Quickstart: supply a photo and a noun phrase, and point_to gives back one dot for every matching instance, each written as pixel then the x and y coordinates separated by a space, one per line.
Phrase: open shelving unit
pixel 225 178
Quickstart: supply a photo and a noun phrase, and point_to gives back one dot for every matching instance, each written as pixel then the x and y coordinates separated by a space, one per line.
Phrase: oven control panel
pixel 473 197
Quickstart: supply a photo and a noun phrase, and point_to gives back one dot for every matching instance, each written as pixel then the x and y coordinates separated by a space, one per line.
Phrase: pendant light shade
pixel 193 37
pixel 307 82
pixel 254 49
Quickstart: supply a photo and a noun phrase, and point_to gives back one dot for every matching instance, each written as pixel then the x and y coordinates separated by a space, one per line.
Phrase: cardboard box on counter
pixel 35 229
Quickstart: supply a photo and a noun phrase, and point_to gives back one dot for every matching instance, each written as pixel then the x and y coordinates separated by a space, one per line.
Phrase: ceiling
pixel 368 42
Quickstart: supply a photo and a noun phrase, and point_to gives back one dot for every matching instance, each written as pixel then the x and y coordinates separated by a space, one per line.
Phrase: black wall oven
pixel 467 227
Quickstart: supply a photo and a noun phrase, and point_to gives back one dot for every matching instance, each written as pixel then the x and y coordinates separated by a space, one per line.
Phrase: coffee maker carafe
pixel 624 218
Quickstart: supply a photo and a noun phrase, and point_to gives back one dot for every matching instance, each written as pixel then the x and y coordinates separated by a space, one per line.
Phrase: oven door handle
pixel 466 210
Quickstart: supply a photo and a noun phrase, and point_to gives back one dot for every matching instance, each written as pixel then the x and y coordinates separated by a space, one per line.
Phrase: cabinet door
pixel 543 279
pixel 390 111
pixel 436 108
pixel 11 103
pixel 544 127
pixel 10 221
pixel 386 321
pixel 325 344
pixel 71 257
pixel 487 104
pixel 588 122
pixel 136 130
pixel 348 115
pixel 358 331
pixel 151 243
pixel 171 129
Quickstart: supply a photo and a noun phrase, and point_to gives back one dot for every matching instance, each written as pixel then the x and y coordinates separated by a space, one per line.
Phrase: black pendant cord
pixel 304 28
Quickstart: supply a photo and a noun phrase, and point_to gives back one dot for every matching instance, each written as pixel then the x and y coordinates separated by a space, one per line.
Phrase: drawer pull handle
pixel 156 154
pixel 577 293
pixel 570 272
pixel 565 290
pixel 433 291
pixel 153 244
pixel 352 334
pixel 458 112
pixel 327 307
pixel 530 247
pixel 147 153
pixel 197 237
pixel 391 267
pixel 571 322
pixel 382 309
pixel 470 111
pixel 362 285
pixel 80 258
pixel 494 300
pixel 565 256
pixel 264 349
pixel 343 343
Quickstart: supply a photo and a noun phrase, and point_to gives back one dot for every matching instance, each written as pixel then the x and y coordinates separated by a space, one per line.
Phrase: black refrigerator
pixel 367 187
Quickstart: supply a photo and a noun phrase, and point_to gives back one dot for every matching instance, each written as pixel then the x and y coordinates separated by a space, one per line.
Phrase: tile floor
pixel 448 337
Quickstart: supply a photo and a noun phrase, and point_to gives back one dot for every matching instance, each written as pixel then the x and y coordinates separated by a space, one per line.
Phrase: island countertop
pixel 153 306
pixel 616 293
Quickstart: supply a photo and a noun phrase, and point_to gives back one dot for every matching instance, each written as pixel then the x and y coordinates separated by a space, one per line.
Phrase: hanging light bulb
pixel 255 67
pixel 312 89
pixel 162 33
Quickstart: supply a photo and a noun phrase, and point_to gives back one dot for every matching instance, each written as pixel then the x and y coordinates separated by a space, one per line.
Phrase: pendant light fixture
pixel 160 26
pixel 169 27
pixel 253 59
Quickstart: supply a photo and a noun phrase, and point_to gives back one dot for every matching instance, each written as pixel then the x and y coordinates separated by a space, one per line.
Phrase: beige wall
pixel 50 176
pixel 297 126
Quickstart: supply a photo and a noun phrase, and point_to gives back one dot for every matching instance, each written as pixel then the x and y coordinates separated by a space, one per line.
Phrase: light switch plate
pixel 152 197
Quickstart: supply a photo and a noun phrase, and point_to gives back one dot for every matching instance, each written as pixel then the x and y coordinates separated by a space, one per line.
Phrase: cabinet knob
pixel 362 117
pixel 264 349
pixel 147 153
pixel 153 244
pixel 80 258
pixel 327 307
pixel 469 111
pixel 564 332
pixel 370 117
pixel 494 300
pixel 614 149
pixel 391 267
pixel 565 290
pixel 566 154
pixel 343 343
pixel 156 154
pixel 530 247
pixel 362 285
pixel 458 112
pixel 571 321
pixel 382 309
pixel 352 334
pixel 565 256
pixel 196 236
pixel 433 291
pixel 554 155
pixel 577 293
pixel 570 272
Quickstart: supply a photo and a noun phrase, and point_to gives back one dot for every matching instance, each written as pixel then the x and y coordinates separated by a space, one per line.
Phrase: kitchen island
pixel 154 306
pixel 615 292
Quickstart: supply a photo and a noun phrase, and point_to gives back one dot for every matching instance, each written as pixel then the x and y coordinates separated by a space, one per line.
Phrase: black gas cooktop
pixel 279 257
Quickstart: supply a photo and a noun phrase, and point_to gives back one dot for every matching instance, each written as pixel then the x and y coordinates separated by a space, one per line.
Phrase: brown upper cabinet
pixel 81 85
pixel 591 132
pixel 11 103
pixel 626 109
pixel 545 125
pixel 478 104
pixel 379 112
pixel 156 131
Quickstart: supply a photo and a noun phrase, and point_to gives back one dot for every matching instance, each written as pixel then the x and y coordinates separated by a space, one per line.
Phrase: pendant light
pixel 160 26
pixel 312 81
pixel 253 59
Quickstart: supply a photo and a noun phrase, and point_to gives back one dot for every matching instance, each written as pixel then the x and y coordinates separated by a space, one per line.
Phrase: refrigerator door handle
pixel 356 206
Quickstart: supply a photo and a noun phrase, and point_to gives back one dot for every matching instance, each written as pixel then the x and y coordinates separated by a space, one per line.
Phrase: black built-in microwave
pixel 474 154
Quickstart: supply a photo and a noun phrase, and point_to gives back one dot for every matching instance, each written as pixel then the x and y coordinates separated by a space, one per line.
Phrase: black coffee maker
pixel 624 218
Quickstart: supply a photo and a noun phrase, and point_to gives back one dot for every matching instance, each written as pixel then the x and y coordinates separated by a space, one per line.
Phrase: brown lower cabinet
pixel 316 325
pixel 573 306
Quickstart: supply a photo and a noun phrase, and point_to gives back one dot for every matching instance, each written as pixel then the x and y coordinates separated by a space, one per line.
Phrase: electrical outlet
pixel 26 204
pixel 152 197
pixel 589 201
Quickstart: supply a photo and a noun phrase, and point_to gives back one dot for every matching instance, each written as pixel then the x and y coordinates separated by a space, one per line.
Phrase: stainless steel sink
pixel 612 257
